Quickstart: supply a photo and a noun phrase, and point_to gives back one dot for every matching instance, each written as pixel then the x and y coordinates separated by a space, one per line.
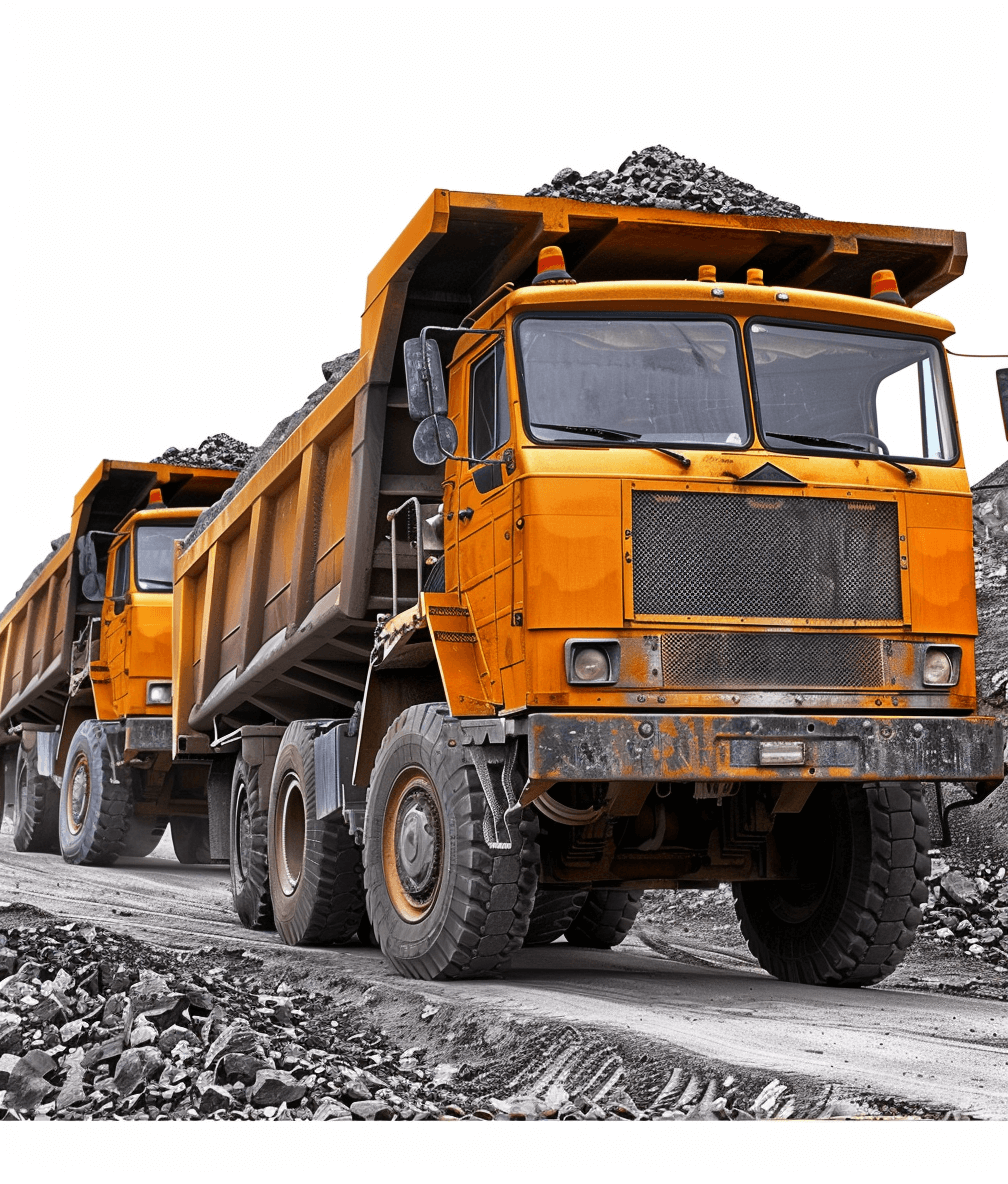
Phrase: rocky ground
pixel 95 1024
pixel 666 180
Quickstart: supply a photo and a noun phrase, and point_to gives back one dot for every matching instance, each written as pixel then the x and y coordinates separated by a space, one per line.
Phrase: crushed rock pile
pixel 659 177
pixel 990 554
pixel 332 372
pixel 220 451
pixel 968 909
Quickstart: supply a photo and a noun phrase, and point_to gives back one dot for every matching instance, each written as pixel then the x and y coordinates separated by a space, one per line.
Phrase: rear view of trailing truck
pixel 673 584
pixel 85 681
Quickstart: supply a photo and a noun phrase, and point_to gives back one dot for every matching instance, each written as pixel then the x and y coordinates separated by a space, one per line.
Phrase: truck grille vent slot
pixel 772 661
pixel 750 555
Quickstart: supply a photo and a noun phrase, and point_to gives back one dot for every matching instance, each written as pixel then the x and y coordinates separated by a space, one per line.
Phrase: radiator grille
pixel 750 555
pixel 772 661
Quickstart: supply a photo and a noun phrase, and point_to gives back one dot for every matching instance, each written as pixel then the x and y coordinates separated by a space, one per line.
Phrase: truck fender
pixel 387 694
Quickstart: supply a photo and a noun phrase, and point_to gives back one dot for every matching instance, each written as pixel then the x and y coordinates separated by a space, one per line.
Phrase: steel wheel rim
pixel 243 835
pixel 79 795
pixel 413 845
pixel 290 834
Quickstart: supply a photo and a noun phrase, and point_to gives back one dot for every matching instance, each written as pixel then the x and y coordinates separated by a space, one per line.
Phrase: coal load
pixel 216 452
pixel 333 372
pixel 666 180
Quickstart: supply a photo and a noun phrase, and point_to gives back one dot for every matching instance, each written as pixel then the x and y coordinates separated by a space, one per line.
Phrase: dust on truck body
pixel 85 675
pixel 681 592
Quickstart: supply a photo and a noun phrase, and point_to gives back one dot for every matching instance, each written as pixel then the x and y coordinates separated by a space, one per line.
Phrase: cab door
pixel 485 516
pixel 115 621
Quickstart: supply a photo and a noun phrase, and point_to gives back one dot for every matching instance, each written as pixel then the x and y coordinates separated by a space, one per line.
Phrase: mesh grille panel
pixel 750 555
pixel 774 661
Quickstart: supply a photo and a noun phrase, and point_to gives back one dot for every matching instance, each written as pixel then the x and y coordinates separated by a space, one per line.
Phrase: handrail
pixel 391 517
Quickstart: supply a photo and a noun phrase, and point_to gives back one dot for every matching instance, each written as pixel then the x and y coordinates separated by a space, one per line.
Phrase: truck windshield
pixel 638 382
pixel 155 554
pixel 823 389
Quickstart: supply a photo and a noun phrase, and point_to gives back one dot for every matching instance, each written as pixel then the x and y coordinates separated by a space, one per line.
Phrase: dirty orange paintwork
pixel 567 510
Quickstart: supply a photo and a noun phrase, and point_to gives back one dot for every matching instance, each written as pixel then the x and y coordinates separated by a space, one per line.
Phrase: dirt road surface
pixel 941 1051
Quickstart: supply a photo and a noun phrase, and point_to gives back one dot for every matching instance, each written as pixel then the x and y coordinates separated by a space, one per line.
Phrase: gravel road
pixel 939 1051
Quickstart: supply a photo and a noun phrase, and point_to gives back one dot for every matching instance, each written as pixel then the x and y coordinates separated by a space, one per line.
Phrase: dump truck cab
pixel 131 673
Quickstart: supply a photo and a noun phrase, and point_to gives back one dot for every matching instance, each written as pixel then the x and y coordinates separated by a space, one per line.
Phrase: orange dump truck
pixel 635 550
pixel 85 680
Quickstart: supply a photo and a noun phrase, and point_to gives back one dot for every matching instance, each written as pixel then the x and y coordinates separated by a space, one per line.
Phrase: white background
pixel 193 197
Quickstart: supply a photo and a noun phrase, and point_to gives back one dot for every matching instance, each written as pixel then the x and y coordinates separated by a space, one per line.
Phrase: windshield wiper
pixel 602 433
pixel 614 434
pixel 823 442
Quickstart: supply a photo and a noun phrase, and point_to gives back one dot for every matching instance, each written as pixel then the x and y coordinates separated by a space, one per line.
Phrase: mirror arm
pixel 425 372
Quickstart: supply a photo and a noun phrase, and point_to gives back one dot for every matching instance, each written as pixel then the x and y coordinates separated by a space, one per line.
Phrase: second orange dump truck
pixel 85 676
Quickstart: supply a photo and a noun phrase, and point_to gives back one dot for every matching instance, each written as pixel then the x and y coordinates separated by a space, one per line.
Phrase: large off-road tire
pixel 862 854
pixel 190 838
pixel 315 869
pixel 36 806
pixel 442 904
pixel 552 913
pixel 605 919
pixel 247 848
pixel 96 801
pixel 144 835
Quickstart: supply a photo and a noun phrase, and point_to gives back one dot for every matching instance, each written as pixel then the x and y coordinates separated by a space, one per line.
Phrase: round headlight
pixel 591 665
pixel 937 668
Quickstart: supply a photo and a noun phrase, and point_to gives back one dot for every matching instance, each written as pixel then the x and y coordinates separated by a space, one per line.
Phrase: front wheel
pixel 605 919
pixel 442 904
pixel 96 801
pixel 860 857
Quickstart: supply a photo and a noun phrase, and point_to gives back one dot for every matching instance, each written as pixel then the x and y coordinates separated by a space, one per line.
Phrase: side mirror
pixel 92 585
pixel 434 440
pixel 424 383
pixel 1002 381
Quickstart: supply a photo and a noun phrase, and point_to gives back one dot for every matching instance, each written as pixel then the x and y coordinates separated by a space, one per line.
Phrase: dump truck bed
pixel 275 602
pixel 37 631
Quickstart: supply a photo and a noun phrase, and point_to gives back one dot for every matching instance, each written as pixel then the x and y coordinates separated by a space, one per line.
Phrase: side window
pixel 120 575
pixel 489 415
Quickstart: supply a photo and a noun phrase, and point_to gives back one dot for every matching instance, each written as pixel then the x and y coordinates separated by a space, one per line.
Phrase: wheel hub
pixel 290 845
pixel 418 845
pixel 79 797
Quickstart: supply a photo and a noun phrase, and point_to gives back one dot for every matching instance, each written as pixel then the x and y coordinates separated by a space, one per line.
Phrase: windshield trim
pixel 633 315
pixel 849 453
pixel 160 590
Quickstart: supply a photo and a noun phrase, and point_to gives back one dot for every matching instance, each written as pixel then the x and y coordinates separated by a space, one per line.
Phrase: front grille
pixel 773 661
pixel 751 555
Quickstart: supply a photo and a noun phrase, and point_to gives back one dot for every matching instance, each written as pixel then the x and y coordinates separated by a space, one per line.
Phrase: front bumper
pixel 667 747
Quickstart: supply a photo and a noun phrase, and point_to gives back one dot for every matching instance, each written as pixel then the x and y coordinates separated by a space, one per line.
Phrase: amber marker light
pixel 707 273
pixel 754 276
pixel 551 268
pixel 884 287
pixel 155 498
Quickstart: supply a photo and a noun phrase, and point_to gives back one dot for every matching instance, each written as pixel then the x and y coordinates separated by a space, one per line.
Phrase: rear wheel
pixel 552 914
pixel 36 806
pixel 848 918
pixel 247 848
pixel 96 801
pixel 605 919
pixel 315 871
pixel 191 839
pixel 442 904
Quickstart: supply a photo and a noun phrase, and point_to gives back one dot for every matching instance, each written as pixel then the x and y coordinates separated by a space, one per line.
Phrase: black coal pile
pixel 332 372
pixel 220 451
pixel 990 553
pixel 967 909
pixel 659 177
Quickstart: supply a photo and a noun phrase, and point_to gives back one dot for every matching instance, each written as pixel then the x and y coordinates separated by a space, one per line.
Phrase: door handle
pixel 466 514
